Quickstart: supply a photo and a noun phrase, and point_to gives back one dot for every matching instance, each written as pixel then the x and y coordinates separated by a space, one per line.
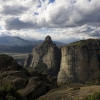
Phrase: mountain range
pixel 19 45
pixel 17 41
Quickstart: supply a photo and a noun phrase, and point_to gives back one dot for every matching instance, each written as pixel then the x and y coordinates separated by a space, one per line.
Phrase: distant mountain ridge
pixel 18 45
pixel 17 41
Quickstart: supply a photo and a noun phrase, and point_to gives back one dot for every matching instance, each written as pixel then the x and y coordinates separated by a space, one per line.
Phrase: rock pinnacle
pixel 48 39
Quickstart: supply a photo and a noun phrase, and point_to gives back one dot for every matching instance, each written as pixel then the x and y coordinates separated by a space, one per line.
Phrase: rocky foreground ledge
pixel 17 83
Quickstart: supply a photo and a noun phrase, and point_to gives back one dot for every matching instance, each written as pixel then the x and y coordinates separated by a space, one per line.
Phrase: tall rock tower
pixel 79 61
pixel 47 53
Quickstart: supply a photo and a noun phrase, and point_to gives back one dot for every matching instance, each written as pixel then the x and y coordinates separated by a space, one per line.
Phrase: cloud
pixel 16 24
pixel 95 34
pixel 52 14
pixel 65 19
pixel 13 10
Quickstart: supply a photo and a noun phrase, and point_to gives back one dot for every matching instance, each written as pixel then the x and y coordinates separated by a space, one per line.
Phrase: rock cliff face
pixel 47 53
pixel 79 61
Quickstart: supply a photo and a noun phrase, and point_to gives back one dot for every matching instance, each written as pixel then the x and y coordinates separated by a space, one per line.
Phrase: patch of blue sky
pixel 51 1
pixel 0 27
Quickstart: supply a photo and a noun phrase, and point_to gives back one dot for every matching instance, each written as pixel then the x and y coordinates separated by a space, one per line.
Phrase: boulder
pixel 34 89
pixel 17 78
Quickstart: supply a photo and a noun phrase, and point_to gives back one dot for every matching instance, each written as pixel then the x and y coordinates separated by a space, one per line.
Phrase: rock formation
pixel 28 60
pixel 7 63
pixel 46 53
pixel 79 61
pixel 30 85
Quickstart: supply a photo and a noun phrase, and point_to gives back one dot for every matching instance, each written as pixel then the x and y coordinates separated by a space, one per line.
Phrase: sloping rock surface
pixel 47 53
pixel 30 85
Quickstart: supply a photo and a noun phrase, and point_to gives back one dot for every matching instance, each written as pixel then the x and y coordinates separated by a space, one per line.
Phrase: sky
pixel 63 20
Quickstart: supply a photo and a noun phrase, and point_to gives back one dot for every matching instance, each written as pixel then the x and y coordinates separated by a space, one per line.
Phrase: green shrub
pixel 95 96
pixel 30 69
pixel 8 92
pixel 41 68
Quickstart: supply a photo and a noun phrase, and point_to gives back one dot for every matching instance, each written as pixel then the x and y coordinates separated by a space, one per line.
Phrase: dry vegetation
pixel 71 92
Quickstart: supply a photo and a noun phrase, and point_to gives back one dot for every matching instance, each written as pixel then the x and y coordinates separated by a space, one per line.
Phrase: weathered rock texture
pixel 28 60
pixel 47 53
pixel 79 61
pixel 30 84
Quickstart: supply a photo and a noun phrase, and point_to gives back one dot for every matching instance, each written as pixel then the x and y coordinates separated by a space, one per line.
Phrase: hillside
pixel 73 92
pixel 16 49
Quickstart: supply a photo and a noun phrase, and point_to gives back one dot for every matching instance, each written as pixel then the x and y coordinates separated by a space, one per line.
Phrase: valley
pixel 17 56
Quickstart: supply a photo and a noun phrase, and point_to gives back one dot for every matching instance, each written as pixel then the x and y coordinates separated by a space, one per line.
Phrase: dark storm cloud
pixel 16 24
pixel 13 10
pixel 89 19
pixel 56 15
pixel 95 34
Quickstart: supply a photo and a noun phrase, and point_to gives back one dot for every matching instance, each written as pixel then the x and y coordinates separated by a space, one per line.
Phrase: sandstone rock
pixel 95 79
pixel 47 53
pixel 30 85
pixel 17 78
pixel 34 89
pixel 28 60
pixel 51 81
pixel 79 61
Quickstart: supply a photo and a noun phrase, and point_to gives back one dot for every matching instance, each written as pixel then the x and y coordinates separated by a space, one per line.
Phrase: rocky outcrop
pixel 46 53
pixel 79 61
pixel 29 84
pixel 34 89
pixel 7 63
pixel 95 79
pixel 28 60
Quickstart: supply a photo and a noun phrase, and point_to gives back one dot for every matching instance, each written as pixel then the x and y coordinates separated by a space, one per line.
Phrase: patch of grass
pixel 95 96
